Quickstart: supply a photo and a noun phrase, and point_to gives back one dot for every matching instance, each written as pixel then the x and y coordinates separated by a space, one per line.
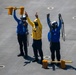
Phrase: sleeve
pixel 48 21
pixel 14 15
pixel 30 22
pixel 60 24
pixel 39 23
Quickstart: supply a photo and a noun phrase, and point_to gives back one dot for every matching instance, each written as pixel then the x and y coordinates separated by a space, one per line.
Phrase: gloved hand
pixel 26 14
pixel 59 15
pixel 15 8
pixel 48 15
pixel 36 15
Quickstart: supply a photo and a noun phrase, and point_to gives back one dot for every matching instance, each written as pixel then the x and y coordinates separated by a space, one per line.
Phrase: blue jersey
pixel 21 29
pixel 54 34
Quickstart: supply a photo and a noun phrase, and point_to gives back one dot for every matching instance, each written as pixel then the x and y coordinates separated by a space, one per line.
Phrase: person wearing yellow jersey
pixel 37 36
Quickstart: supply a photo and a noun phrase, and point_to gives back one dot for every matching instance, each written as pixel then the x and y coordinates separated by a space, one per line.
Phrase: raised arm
pixel 38 20
pixel 28 19
pixel 14 15
pixel 48 20
pixel 60 21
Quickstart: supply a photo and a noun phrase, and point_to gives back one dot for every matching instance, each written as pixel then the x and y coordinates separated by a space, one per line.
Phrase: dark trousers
pixel 55 47
pixel 37 47
pixel 22 40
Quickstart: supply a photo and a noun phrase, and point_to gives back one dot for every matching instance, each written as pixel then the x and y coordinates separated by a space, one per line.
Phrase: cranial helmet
pixel 54 24
pixel 23 17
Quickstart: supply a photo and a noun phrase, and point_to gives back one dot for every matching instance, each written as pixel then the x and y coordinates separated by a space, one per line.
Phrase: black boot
pixel 21 54
pixel 35 60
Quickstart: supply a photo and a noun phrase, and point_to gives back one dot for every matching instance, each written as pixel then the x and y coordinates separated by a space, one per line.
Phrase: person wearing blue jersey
pixel 22 31
pixel 54 37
